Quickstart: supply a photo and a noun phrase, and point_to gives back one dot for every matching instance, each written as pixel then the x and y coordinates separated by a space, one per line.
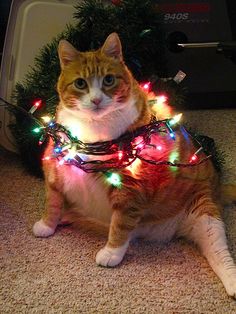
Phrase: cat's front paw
pixel 40 229
pixel 110 257
pixel 230 286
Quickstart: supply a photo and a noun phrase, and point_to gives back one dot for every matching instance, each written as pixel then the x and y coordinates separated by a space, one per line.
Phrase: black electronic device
pixel 211 76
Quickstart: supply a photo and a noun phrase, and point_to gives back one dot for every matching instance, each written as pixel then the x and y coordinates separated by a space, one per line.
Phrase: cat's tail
pixel 228 193
pixel 90 225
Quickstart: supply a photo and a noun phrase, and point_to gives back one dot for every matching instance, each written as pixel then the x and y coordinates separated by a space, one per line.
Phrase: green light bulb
pixel 114 179
pixel 173 158
pixel 36 130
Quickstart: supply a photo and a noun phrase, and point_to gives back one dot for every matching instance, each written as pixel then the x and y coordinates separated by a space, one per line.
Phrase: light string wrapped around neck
pixel 124 150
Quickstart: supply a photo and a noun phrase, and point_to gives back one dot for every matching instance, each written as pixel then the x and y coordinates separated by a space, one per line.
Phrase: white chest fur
pixel 87 192
pixel 108 127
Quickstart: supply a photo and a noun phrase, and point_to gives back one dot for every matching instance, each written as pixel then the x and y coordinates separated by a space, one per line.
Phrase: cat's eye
pixel 109 80
pixel 80 83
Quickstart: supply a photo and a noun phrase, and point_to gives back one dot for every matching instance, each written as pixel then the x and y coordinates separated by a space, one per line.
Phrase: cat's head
pixel 97 83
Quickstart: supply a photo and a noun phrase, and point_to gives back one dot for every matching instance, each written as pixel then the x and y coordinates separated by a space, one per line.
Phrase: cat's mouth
pixel 99 112
pixel 95 113
pixel 98 109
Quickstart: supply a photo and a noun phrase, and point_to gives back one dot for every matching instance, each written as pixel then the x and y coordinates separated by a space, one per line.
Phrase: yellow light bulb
pixel 175 119
pixel 46 119
pixel 134 167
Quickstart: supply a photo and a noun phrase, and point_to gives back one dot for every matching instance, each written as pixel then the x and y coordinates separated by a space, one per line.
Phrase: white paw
pixel 40 229
pixel 110 257
pixel 230 286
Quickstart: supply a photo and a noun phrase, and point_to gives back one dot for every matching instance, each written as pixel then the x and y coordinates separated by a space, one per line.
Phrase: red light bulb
pixel 146 86
pixel 161 99
pixel 37 103
pixel 120 155
pixel 193 158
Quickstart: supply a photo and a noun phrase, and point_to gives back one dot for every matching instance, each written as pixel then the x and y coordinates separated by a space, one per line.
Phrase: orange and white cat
pixel 99 101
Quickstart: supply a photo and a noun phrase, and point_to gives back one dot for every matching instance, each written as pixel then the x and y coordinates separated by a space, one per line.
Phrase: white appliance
pixel 31 24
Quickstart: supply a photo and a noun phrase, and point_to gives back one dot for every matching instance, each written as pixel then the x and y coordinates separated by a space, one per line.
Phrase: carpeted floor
pixel 59 274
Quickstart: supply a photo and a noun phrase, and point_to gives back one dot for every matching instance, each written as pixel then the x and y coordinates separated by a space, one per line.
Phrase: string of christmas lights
pixel 123 151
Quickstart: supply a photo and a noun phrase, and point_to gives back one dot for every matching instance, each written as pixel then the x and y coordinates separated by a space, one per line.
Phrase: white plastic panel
pixel 31 25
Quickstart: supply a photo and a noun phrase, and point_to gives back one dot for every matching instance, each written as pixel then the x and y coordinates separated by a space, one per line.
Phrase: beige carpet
pixel 59 275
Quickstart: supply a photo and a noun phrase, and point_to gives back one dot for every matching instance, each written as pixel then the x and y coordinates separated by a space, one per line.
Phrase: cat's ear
pixel 66 52
pixel 112 46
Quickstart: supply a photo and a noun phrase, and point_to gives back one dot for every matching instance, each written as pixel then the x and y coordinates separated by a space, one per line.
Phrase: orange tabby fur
pixel 150 198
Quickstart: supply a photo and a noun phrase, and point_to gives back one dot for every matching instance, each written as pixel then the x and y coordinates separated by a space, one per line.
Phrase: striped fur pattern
pixel 99 101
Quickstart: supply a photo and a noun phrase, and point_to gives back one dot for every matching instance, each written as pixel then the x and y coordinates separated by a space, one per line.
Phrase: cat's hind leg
pixel 209 234
pixel 46 226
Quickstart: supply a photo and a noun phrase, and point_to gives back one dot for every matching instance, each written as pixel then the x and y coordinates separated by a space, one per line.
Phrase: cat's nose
pixel 96 101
